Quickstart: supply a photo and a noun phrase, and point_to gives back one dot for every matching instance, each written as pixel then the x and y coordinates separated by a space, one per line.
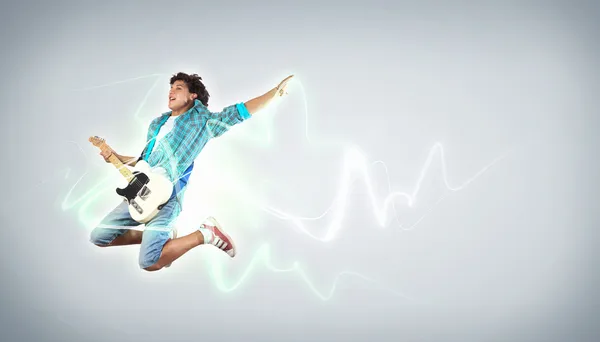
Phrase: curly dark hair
pixel 194 84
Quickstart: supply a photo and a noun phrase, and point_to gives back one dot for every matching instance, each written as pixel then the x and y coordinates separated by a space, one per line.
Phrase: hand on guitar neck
pixel 109 154
pixel 106 153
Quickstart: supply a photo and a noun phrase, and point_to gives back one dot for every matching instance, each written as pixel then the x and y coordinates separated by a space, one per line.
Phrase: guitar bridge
pixel 144 193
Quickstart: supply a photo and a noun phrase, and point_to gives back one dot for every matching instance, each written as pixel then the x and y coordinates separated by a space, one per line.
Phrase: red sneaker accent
pixel 220 239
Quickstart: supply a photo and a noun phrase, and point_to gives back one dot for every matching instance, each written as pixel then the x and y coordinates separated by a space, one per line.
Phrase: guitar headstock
pixel 97 141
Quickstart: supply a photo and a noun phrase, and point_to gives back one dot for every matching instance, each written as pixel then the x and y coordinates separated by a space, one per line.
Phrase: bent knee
pixel 149 262
pixel 152 268
pixel 151 250
pixel 99 238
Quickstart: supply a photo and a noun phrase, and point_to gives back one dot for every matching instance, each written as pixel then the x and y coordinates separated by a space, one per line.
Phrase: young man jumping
pixel 174 140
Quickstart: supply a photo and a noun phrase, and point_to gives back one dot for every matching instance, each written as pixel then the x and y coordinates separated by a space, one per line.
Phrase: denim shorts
pixel 156 233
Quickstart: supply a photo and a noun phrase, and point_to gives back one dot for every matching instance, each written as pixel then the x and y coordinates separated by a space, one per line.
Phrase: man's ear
pixel 194 96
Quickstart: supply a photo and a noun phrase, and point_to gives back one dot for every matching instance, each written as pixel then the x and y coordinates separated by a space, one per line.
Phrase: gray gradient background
pixel 512 257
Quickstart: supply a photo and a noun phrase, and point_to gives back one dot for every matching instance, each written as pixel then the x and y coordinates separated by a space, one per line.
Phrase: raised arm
pixel 256 104
pixel 221 122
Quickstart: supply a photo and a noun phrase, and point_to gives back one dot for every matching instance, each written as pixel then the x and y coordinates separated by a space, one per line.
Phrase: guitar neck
pixel 120 166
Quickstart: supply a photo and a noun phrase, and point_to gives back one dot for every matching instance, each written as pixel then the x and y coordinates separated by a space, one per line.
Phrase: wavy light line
pixel 263 255
pixel 354 160
pixel 110 84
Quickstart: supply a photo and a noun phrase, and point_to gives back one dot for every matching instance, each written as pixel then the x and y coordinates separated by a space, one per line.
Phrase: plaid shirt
pixel 191 131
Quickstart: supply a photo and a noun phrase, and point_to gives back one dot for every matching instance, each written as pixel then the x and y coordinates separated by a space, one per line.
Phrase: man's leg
pixel 130 237
pixel 158 249
pixel 172 250
pixel 116 229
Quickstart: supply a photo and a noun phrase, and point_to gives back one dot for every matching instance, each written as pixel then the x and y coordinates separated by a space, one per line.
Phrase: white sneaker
pixel 218 238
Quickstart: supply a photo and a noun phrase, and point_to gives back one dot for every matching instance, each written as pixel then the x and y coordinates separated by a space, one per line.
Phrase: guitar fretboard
pixel 98 142
pixel 121 167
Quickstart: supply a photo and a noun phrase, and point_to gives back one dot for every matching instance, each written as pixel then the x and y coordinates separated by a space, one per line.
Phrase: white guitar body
pixel 146 192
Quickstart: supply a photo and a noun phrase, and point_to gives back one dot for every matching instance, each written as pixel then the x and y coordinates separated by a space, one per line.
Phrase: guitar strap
pixel 153 139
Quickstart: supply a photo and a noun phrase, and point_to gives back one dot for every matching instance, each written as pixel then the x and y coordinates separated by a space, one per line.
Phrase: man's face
pixel 180 96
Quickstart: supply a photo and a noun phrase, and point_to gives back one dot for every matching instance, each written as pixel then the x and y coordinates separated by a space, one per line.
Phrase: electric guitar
pixel 146 192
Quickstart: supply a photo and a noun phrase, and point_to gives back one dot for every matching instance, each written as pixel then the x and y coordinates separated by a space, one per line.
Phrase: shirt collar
pixel 197 104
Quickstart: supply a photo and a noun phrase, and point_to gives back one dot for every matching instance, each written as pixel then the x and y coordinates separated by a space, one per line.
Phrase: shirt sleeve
pixel 221 122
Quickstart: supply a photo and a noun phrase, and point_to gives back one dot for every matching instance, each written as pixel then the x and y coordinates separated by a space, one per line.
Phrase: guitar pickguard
pixel 135 186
